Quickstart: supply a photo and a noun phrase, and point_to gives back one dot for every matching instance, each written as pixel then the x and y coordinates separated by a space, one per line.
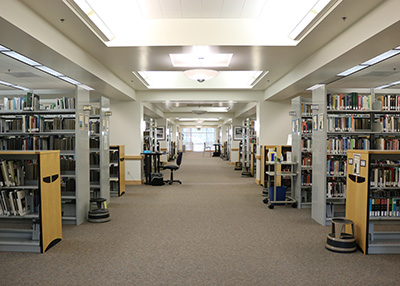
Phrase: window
pixel 194 138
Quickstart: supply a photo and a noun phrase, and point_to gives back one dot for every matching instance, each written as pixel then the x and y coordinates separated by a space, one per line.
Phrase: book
pixel 23 206
pixel 5 173
pixel 6 203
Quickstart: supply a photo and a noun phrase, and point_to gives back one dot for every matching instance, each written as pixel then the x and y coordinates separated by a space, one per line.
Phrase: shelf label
pixel 292 113
pixel 314 107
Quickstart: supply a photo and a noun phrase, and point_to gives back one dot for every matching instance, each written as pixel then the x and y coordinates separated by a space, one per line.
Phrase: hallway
pixel 211 230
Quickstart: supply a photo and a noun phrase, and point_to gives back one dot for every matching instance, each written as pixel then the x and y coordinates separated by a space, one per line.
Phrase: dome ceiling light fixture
pixel 200 75
pixel 199 111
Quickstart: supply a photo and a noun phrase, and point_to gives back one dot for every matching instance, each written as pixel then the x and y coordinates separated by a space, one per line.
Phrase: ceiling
pixel 119 62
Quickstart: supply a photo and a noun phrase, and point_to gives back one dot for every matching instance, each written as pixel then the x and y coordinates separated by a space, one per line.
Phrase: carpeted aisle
pixel 211 230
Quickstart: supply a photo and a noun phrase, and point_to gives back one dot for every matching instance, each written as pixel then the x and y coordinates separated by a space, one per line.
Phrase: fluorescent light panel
pixel 381 57
pixel 90 18
pixel 39 66
pixel 301 27
pixel 70 80
pixel 3 49
pixel 196 60
pixel 315 86
pixel 197 119
pixel 5 83
pixel 21 58
pixel 176 79
pixel 352 70
pixel 50 71
pixel 388 85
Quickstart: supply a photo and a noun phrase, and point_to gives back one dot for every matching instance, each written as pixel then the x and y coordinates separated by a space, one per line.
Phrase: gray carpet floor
pixel 211 230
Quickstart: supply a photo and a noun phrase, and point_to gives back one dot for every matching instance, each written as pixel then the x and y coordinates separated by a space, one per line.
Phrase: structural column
pixel 127 129
pixel 273 124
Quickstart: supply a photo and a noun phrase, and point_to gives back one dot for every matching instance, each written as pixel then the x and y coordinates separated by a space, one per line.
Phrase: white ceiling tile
pixel 253 8
pixel 171 9
pixel 232 8
pixel 191 8
pixel 150 8
pixel 212 8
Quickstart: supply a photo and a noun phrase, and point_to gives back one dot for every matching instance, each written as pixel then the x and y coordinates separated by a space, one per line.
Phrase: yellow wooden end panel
pixel 122 168
pixel 50 198
pixel 357 199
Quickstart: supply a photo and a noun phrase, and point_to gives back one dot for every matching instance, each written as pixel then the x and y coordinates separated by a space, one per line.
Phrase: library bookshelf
pixel 30 221
pixel 117 170
pixel 302 149
pixel 347 119
pixel 373 199
pixel 53 120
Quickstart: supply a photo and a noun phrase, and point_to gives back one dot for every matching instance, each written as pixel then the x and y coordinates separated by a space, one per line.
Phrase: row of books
pixel 348 123
pixel 336 167
pixel 67 163
pixel 389 101
pixel 67 186
pixel 306 161
pixel 62 103
pixel 36 123
pixel 94 159
pixel 306 109
pixel 336 190
pixel 94 127
pixel 30 101
pixel 306 126
pixel 54 142
pixel 351 101
pixel 114 186
pixel 340 145
pixel 16 203
pixel 385 177
pixel 114 170
pixel 114 157
pixel 387 144
pixel 94 176
pixel 306 144
pixel 94 143
pixel 11 174
pixel 384 207
pixel 389 123
pixel 306 179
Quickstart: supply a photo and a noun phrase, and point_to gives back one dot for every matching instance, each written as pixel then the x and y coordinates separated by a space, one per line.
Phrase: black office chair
pixel 174 168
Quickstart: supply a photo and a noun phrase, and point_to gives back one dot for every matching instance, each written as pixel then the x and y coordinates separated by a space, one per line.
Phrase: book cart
pixel 30 209
pixel 373 199
pixel 279 171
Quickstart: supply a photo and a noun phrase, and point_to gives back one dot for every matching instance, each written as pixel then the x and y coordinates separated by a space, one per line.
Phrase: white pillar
pixel 162 122
pixel 235 143
pixel 274 125
pixel 126 129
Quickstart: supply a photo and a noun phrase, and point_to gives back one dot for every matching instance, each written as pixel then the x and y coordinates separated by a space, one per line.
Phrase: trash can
pixel 280 194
